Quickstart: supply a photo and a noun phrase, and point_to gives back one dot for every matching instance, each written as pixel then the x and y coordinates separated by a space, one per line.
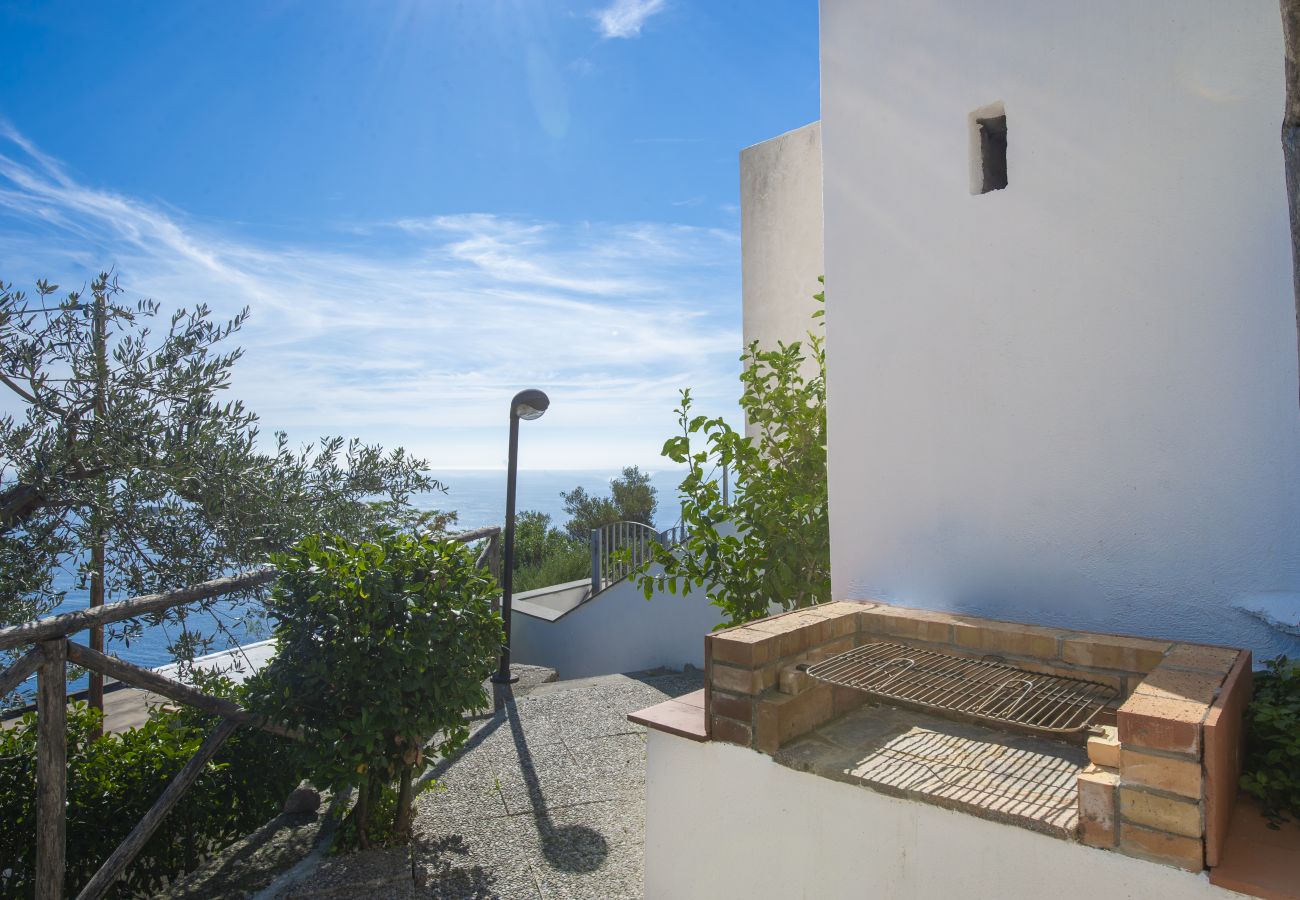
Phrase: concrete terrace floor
pixel 547 801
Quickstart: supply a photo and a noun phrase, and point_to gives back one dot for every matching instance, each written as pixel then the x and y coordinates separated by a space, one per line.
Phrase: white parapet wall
pixel 1072 401
pixel 616 631
pixel 724 821
pixel 781 235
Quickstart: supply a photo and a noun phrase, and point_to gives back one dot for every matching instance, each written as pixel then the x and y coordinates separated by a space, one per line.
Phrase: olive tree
pixel 119 457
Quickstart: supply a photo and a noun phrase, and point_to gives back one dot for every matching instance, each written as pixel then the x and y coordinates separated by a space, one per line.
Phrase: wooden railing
pixel 49 654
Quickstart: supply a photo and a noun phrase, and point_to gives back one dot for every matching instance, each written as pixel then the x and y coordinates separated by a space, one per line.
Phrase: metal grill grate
pixel 973 687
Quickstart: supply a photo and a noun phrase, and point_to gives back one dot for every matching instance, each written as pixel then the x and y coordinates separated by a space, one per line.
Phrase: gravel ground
pixel 547 801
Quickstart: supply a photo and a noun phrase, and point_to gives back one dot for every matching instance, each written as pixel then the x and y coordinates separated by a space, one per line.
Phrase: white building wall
pixel 1073 401
pixel 781 236
pixel 723 821
pixel 615 632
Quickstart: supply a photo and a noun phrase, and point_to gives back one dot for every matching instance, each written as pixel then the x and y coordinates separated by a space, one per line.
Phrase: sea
pixel 478 497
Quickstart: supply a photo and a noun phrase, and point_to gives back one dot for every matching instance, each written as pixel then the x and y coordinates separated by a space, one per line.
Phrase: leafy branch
pixel 771 545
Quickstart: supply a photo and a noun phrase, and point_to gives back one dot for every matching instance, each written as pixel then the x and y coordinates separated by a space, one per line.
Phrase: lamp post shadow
pixel 567 848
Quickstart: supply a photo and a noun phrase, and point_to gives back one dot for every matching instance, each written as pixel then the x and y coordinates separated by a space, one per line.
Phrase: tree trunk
pixel 361 813
pixel 51 770
pixel 99 538
pixel 402 819
pixel 97 632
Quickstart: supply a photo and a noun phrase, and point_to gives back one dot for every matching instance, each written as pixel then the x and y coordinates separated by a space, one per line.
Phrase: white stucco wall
pixel 617 631
pixel 1073 401
pixel 781 235
pixel 723 821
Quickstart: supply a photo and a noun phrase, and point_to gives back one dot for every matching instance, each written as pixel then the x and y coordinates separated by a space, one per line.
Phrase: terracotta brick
pixel 708 683
pixel 1103 749
pixel 1259 858
pixel 694 698
pixel 767 731
pixel 1176 684
pixel 746 647
pixel 735 680
pixel 842 607
pixel 1171 849
pixel 1164 773
pixel 1116 682
pixel 845 699
pixel 1005 637
pixel 796 641
pixel 794 631
pixel 780 623
pixel 819 628
pixel 1127 654
pixel 1161 724
pixel 1224 741
pixel 729 730
pixel 841 618
pixel 673 717
pixel 847 625
pixel 822 611
pixel 732 706
pixel 920 624
pixel 1097 788
pixel 1202 658
pixel 782 717
pixel 834 626
pixel 1161 813
pixel 793 681
pixel 826 651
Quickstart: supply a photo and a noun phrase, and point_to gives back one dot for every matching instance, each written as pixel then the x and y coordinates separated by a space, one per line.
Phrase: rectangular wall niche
pixel 988 148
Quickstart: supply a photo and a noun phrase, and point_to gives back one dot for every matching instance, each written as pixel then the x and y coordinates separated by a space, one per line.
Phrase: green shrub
pixel 771 543
pixel 113 781
pixel 544 555
pixel 380 646
pixel 537 541
pixel 567 564
pixel 1272 768
pixel 632 499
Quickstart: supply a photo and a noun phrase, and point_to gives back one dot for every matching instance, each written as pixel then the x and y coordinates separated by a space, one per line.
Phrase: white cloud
pixel 624 18
pixel 417 332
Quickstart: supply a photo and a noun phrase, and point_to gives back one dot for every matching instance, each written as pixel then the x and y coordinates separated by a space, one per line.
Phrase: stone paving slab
pixel 547 801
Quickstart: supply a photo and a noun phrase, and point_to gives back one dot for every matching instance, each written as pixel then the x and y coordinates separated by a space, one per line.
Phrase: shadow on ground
pixel 444 876
pixel 568 848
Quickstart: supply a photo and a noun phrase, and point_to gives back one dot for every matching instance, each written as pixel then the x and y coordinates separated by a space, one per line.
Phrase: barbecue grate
pixel 973 687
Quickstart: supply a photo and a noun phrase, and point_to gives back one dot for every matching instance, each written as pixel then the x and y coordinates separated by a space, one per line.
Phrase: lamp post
pixel 529 404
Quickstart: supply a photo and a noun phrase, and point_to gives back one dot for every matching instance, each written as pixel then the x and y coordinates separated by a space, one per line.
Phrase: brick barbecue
pixel 1160 777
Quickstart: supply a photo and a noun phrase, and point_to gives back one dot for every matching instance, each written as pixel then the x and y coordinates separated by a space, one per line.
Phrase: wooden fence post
pixel 51 769
pixel 113 867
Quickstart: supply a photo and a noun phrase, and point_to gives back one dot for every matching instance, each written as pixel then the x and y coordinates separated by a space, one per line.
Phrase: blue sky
pixel 428 205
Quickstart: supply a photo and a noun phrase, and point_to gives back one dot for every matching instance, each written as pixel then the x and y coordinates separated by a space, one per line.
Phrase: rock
pixel 303 800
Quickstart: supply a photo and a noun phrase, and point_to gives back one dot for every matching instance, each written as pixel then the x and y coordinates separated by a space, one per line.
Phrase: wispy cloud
pixel 624 18
pixel 417 331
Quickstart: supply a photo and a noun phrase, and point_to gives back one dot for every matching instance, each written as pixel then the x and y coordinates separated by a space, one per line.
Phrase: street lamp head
pixel 529 404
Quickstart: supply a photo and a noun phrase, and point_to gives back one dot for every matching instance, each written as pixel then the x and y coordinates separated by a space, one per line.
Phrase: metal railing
pixel 49 653
pixel 621 549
